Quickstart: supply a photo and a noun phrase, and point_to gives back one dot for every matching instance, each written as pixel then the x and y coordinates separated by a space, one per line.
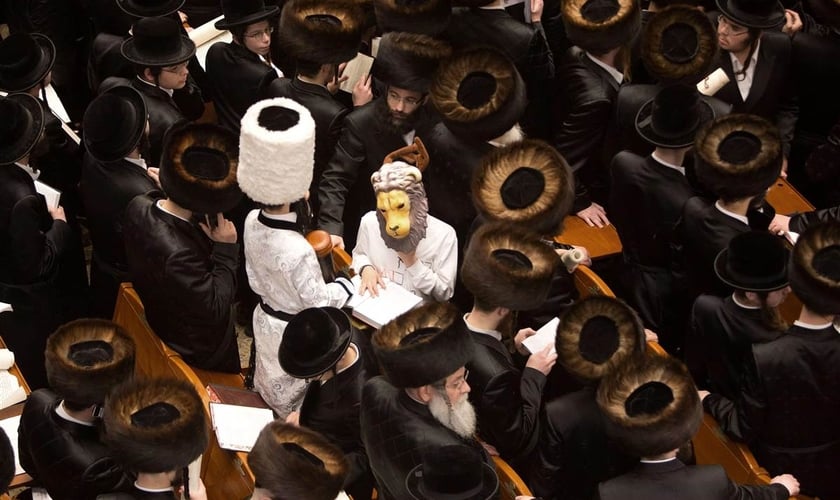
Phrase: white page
pixel 237 427
pixel 544 336
pixel 392 301
pixel 10 425
pixel 358 67
pixel 52 195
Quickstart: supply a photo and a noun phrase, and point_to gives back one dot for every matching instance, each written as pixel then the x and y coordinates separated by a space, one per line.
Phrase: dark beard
pixel 389 123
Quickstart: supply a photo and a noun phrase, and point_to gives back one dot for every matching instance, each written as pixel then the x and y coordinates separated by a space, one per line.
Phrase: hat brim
pixel 770 284
pixel 731 11
pixel 644 126
pixel 38 73
pixel 490 485
pixel 132 8
pixel 34 130
pixel 267 12
pixel 330 359
pixel 186 49
pixel 127 143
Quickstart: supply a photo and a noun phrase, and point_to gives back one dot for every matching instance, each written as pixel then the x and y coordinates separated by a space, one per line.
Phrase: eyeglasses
pixel 260 33
pixel 409 101
pixel 729 28
pixel 177 69
pixel 460 383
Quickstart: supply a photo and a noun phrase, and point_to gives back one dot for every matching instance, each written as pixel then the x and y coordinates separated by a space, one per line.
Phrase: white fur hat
pixel 276 151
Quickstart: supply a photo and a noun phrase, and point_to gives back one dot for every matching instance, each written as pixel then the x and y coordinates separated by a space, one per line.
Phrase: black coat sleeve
pixel 801 222
pixel 339 177
pixel 36 253
pixel 741 419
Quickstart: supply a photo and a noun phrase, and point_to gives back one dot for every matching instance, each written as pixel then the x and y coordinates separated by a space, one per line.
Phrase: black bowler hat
pixel 760 14
pixel 673 117
pixel 20 127
pixel 157 41
pixel 244 12
pixel 454 472
pixel 150 8
pixel 313 342
pixel 114 123
pixel 25 59
pixel 756 261
pixel 679 43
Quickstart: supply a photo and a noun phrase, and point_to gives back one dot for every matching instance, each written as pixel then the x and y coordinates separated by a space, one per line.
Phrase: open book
pixel 392 301
pixel 358 67
pixel 544 337
pixel 52 195
pixel 237 427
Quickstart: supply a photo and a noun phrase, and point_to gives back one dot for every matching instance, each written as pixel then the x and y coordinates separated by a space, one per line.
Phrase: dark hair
pixel 73 406
pixel 753 34
pixel 309 69
pixel 238 33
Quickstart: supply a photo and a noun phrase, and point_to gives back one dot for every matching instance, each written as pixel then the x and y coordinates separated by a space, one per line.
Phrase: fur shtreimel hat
pixel 425 17
pixel 815 268
pixel 276 151
pixel 650 405
pixel 525 183
pixel 738 156
pixel 423 346
pixel 679 44
pixel 198 167
pixel 87 358
pixel 599 26
pixel 596 335
pixel 479 94
pixel 507 265
pixel 155 425
pixel 295 462
pixel 327 32
pixel 408 60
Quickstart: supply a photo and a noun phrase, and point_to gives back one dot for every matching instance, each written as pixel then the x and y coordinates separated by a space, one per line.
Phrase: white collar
pixel 742 305
pixel 809 326
pixel 140 162
pixel 29 170
pixel 409 137
pixel 736 64
pixel 678 168
pixel 152 490
pixel 62 412
pixel 735 216
pixel 168 91
pixel 662 461
pixel 289 217
pixel 493 333
pixel 616 74
pixel 159 204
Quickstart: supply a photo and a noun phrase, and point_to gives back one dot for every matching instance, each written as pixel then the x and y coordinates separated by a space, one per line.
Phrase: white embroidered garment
pixel 283 270
pixel 431 277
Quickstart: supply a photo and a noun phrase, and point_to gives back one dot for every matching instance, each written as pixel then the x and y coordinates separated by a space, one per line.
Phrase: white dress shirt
pixel 745 81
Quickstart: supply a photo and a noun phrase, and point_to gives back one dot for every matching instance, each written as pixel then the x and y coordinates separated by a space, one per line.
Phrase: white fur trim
pixel 275 167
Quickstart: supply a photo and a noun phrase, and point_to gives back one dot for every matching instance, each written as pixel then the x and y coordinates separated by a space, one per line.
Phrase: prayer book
pixel 392 301
pixel 52 195
pixel 544 337
pixel 237 427
pixel 357 68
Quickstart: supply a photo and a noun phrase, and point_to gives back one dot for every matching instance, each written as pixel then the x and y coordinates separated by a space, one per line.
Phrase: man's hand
pixel 362 93
pixel 536 10
pixel 521 335
pixel 337 241
pixel 783 173
pixel 224 232
pixel 793 23
pixel 702 395
pixel 57 213
pixel 779 225
pixel 199 493
pixel 789 482
pixel 651 336
pixel 154 174
pixel 542 361
pixel 371 280
pixel 407 258
pixel 594 215
pixel 334 84
pixel 293 418
pixel 490 449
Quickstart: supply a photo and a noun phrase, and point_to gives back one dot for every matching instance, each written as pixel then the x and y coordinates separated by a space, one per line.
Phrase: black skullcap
pixel 599 339
pixel 522 188
pixel 649 399
pixel 155 415
pixel 91 352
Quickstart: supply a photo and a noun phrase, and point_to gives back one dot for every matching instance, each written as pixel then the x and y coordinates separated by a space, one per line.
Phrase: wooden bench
pixel 510 484
pixel 225 473
pixel 588 283
pixel 23 479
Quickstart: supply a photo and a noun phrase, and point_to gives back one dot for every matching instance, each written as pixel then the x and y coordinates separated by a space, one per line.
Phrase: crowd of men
pixel 219 186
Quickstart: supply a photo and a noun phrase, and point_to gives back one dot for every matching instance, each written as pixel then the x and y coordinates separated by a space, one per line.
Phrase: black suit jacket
pixel 789 406
pixel 772 94
pixel 328 114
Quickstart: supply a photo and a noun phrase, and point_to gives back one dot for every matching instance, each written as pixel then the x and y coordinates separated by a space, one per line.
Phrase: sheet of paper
pixel 10 425
pixel 52 195
pixel 374 45
pixel 358 67
pixel 237 427
pixel 392 301
pixel 545 336
pixel 792 237
pixel 206 32
pixel 4 307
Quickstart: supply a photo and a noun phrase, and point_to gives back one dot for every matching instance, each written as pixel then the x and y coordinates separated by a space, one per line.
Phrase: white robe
pixel 283 270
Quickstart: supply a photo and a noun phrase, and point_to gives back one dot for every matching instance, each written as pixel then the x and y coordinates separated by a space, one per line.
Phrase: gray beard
pixel 459 417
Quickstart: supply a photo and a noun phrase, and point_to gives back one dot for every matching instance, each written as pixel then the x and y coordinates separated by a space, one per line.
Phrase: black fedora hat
pixel 25 59
pixel 114 123
pixel 313 342
pixel 679 44
pixel 244 12
pixel 759 14
pixel 157 41
pixel 755 261
pixel 454 472
pixel 673 117
pixel 21 126
pixel 150 8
